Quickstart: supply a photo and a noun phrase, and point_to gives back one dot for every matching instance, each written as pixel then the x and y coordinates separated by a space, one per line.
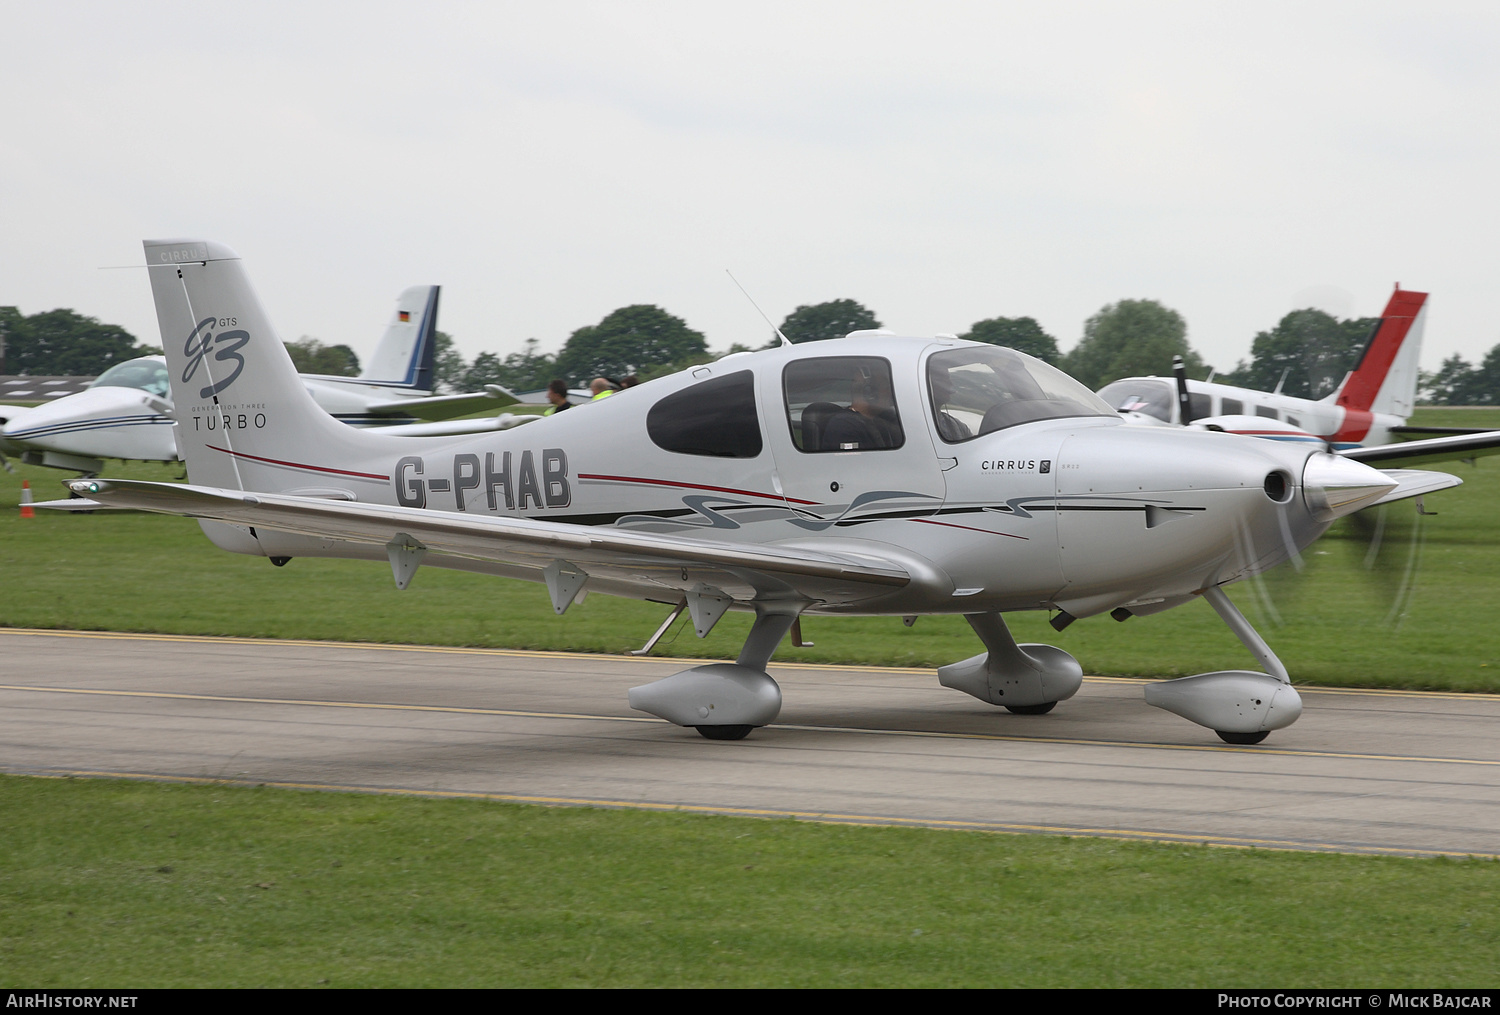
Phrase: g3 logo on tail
pixel 228 344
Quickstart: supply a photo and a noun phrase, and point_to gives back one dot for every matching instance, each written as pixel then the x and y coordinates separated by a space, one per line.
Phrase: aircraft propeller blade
pixel 1184 402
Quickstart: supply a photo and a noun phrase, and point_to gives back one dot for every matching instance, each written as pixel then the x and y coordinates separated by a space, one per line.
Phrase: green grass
pixel 1332 623
pixel 112 883
pixel 122 884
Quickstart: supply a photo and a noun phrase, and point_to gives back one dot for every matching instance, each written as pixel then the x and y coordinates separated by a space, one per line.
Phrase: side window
pixel 841 403
pixel 715 418
pixel 1261 410
pixel 1199 405
pixel 1233 407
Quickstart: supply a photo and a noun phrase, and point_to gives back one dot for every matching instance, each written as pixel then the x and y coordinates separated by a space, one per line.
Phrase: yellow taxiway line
pixel 540 654
pixel 824 817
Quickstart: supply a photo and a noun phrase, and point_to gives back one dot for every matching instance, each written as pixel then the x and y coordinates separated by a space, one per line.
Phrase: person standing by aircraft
pixel 557 394
pixel 601 388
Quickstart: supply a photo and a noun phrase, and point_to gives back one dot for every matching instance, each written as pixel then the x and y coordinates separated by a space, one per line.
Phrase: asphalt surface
pixel 1362 771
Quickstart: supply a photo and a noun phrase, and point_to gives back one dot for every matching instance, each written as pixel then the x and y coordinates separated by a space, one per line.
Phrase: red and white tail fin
pixel 1385 379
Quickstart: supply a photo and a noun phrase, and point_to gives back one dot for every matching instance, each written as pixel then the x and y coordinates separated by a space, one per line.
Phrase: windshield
pixel 1144 395
pixel 976 391
pixel 147 374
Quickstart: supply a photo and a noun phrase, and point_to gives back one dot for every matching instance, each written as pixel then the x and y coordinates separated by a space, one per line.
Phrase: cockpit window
pixel 976 391
pixel 1149 396
pixel 146 374
pixel 842 403
pixel 715 418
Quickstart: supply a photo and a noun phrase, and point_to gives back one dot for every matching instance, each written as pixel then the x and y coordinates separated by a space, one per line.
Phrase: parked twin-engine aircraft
pixel 877 475
pixel 1364 418
pixel 1369 407
pixel 127 412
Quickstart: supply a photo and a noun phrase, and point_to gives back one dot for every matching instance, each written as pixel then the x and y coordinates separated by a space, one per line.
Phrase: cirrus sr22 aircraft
pixel 876 475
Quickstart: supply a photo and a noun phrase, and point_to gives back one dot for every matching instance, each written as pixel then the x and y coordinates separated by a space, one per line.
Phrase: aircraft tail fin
pixel 245 420
pixel 1385 379
pixel 405 356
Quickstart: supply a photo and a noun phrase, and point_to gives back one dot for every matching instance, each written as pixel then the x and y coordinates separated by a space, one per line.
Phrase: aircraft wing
pixel 448 406
pixel 1415 483
pixel 1437 449
pixel 624 562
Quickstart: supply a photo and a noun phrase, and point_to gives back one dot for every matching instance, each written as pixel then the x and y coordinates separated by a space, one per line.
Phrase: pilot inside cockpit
pixel 950 427
pixel 842 403
pixel 870 422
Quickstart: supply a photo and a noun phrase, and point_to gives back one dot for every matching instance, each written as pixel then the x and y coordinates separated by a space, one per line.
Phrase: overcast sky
pixel 941 163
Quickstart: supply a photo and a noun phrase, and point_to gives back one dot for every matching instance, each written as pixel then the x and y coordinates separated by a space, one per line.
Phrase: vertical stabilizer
pixel 244 418
pixel 1385 380
pixel 404 357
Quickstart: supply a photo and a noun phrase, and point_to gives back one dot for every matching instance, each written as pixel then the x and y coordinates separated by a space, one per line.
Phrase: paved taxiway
pixel 1361 771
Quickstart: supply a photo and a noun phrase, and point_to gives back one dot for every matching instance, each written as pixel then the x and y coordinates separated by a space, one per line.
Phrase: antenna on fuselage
pixel 784 340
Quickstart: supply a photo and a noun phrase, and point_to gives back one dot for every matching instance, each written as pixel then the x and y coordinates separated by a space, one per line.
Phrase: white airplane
pixel 1370 406
pixel 878 475
pixel 128 411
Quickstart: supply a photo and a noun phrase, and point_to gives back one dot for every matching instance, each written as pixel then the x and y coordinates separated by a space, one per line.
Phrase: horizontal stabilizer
pixel 1438 449
pixel 447 406
pixel 77 504
pixel 454 427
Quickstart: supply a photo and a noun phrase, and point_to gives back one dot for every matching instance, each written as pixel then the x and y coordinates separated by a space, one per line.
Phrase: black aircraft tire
pixel 1242 738
pixel 725 732
pixel 1041 709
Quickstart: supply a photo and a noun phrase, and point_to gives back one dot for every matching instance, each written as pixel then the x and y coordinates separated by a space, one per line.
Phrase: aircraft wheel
pixel 1242 738
pixel 1041 709
pixel 725 732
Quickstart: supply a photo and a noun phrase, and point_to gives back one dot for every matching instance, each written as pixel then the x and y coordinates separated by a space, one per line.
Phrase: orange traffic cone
pixel 27 511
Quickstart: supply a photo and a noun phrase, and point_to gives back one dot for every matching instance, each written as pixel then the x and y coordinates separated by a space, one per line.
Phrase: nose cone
pixel 1334 487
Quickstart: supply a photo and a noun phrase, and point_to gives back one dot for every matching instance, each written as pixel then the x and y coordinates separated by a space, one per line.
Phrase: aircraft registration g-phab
pixel 876 475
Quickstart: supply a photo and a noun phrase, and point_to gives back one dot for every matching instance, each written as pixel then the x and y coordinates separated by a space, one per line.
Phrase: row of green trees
pixel 63 343
pixel 1457 382
pixel 1307 353
pixel 647 341
pixel 1129 337
pixel 310 356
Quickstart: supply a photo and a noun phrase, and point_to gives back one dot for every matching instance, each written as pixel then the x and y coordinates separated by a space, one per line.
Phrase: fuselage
pixel 997 482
